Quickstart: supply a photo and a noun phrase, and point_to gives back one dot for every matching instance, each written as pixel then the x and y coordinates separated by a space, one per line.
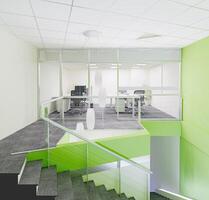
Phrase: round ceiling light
pixel 92 33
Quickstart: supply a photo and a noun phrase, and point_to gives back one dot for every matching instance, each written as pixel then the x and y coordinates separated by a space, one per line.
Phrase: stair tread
pixel 113 194
pixel 12 164
pixel 79 189
pixel 93 194
pixel 65 188
pixel 103 192
pixel 48 182
pixel 31 173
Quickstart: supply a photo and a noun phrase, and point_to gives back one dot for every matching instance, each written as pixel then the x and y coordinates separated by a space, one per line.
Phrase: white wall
pixel 49 80
pixel 18 83
pixel 165 162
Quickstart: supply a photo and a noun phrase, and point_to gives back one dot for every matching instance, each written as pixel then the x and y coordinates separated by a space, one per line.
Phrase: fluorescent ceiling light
pixel 92 64
pixel 148 36
pixel 114 67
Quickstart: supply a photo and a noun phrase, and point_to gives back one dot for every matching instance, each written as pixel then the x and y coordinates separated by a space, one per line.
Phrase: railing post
pixel 139 110
pixel 119 176
pixel 87 164
pixel 148 186
pixel 133 107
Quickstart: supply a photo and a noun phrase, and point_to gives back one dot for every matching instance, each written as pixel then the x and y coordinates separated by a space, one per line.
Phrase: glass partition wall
pixel 117 88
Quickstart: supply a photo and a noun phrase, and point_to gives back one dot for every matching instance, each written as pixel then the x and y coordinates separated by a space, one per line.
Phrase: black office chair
pixel 79 104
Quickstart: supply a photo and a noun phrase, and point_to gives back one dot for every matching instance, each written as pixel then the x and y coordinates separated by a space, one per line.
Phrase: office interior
pixel 127 91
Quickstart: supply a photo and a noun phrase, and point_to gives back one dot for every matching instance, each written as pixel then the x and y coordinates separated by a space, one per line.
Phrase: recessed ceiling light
pixel 94 67
pixel 114 67
pixel 92 33
pixel 148 36
pixel 92 64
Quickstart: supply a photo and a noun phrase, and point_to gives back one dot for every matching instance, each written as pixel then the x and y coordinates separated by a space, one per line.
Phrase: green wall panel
pixel 162 127
pixel 194 172
pixel 195 125
pixel 72 156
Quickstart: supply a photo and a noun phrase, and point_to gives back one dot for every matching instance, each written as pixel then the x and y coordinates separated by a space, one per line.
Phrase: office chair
pixel 79 104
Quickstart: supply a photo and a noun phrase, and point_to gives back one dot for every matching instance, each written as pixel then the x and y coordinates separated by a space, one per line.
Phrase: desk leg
pixel 133 112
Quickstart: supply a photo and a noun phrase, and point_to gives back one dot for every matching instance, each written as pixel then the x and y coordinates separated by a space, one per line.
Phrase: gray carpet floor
pixel 34 136
pixel 110 120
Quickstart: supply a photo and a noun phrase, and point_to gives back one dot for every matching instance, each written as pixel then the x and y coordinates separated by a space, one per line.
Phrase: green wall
pixel 72 156
pixel 195 125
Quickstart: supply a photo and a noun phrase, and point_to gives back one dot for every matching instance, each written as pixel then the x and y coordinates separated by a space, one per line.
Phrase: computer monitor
pixel 80 89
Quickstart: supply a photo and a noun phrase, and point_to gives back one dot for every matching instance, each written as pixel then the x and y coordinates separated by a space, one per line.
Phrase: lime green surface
pixel 73 156
pixel 162 128
pixel 195 125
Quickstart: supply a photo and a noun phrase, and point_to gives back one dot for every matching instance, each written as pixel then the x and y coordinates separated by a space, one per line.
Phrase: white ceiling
pixel 61 23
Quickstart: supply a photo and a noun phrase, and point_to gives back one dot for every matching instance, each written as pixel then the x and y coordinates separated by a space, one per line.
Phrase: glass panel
pixel 134 182
pixel 103 80
pixel 92 164
pixel 102 168
pixel 75 79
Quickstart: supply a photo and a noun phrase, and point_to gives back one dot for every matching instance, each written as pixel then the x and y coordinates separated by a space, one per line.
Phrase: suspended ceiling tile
pixel 186 32
pixel 200 35
pixel 80 28
pixel 203 24
pixel 68 2
pixel 50 10
pixel 21 7
pixel 132 7
pixel 118 21
pixel 203 4
pixel 96 4
pixel 52 24
pixel 19 20
pixel 193 15
pixel 155 27
pixel 165 10
pixel 108 32
pixel 76 37
pixel 53 34
pixel 188 2
pixel 86 16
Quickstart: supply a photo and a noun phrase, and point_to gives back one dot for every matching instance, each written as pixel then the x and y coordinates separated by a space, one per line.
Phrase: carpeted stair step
pixel 79 189
pixel 65 188
pixel 103 192
pixel 31 174
pixel 113 194
pixel 123 197
pixel 47 187
pixel 93 193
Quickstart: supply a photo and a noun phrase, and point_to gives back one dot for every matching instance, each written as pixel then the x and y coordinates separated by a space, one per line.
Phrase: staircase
pixel 29 181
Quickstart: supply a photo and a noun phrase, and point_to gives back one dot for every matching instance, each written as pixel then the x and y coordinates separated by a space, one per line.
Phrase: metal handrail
pixel 131 162
pixel 51 100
